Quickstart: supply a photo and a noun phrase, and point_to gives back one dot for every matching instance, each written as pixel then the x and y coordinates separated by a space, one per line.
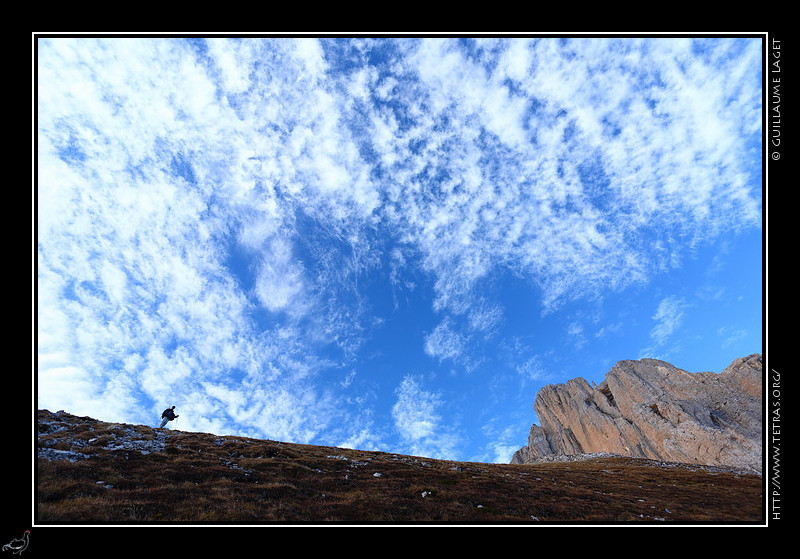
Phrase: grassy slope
pixel 198 477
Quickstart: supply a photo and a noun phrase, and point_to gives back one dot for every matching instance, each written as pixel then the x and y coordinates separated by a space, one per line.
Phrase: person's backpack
pixel 165 412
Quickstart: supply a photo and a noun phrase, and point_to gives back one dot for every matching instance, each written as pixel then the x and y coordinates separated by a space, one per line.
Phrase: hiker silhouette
pixel 167 415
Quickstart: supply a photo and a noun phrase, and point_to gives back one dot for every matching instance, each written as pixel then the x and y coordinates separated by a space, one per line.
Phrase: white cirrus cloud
pixel 416 415
pixel 668 318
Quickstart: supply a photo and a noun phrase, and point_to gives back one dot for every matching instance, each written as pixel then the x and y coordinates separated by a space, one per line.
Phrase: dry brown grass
pixel 202 478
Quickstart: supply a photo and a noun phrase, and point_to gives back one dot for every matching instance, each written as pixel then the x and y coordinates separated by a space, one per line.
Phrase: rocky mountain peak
pixel 651 409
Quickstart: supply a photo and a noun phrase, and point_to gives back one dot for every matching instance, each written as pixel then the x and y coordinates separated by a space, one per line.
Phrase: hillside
pixel 94 472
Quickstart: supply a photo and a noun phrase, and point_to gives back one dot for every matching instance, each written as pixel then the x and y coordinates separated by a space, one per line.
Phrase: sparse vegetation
pixel 197 477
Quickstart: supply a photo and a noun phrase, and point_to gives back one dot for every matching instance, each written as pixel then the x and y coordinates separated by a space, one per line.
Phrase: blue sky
pixel 388 243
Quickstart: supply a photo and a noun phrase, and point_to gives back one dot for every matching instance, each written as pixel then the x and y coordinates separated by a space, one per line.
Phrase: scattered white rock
pixel 122 438
pixel 55 454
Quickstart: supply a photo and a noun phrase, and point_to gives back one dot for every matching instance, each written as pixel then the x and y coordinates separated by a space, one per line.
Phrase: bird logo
pixel 18 545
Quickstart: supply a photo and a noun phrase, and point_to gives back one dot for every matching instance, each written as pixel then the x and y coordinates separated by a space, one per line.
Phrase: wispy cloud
pixel 445 342
pixel 731 335
pixel 668 319
pixel 591 152
pixel 417 418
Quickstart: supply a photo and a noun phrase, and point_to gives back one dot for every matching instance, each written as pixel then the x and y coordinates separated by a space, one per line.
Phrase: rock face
pixel 651 409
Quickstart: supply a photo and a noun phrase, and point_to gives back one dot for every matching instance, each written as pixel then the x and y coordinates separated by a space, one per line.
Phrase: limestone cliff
pixel 651 409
